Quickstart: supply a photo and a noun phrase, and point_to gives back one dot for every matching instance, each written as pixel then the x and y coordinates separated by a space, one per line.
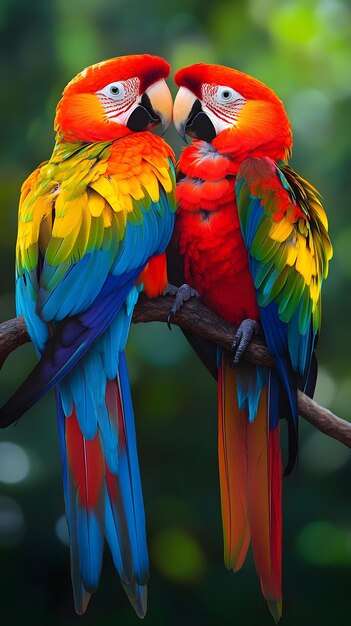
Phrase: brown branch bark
pixel 195 317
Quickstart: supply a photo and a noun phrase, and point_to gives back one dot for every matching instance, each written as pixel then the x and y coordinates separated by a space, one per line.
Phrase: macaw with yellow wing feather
pixel 253 240
pixel 94 223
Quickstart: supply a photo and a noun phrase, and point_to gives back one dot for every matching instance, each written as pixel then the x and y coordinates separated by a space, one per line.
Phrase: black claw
pixel 245 332
pixel 183 294
pixel 169 319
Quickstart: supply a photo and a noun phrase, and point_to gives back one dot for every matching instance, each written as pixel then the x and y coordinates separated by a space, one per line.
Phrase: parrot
pixel 94 222
pixel 251 239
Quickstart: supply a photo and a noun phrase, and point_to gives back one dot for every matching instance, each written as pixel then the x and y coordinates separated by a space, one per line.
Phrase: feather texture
pixel 253 240
pixel 232 455
pixel 94 222
pixel 250 473
pixel 264 479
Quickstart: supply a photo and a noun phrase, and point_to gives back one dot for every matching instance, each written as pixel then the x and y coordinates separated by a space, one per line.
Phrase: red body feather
pixel 216 263
pixel 208 237
pixel 154 276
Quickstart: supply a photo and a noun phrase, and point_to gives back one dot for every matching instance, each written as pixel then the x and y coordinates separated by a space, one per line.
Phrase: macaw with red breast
pixel 253 239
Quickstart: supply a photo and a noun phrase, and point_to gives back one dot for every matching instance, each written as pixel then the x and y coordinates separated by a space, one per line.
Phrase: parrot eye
pixel 114 90
pixel 226 94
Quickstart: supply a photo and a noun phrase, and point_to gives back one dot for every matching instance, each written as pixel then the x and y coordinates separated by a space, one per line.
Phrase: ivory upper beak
pixel 161 102
pixel 183 104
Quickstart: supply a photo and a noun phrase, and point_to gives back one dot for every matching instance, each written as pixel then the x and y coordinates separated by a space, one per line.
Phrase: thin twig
pixel 196 318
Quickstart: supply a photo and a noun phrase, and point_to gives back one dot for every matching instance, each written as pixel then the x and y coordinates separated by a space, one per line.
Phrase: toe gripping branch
pixel 247 329
pixel 182 294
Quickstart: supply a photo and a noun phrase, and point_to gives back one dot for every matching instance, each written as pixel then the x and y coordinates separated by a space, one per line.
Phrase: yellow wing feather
pixel 67 203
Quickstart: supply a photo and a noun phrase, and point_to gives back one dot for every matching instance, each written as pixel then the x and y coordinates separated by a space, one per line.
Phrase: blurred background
pixel 301 49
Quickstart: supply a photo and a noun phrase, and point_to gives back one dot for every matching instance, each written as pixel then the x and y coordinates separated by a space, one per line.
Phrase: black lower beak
pixel 199 124
pixel 143 117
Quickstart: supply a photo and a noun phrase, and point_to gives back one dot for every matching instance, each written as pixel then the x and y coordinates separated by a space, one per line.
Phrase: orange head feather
pixel 236 113
pixel 111 99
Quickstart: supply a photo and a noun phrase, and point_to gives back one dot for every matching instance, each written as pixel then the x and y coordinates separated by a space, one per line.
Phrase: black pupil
pixel 114 90
pixel 226 94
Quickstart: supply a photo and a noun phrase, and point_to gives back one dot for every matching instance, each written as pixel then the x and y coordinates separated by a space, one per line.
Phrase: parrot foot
pixel 182 294
pixel 170 290
pixel 247 329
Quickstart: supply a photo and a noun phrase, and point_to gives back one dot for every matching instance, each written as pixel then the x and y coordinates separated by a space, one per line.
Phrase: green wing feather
pixel 285 230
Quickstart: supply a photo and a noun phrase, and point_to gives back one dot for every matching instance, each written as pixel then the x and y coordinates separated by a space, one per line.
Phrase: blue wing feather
pixel 89 303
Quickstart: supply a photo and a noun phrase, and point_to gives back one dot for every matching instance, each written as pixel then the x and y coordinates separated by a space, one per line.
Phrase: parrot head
pixel 234 112
pixel 109 100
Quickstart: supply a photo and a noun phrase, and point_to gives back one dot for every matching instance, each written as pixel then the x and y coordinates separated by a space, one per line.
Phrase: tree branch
pixel 196 318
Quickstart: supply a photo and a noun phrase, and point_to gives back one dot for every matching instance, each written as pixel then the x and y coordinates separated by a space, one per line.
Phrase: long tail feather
pixel 137 596
pixel 250 470
pixel 83 484
pixel 232 454
pixel 103 493
pixel 264 496
pixel 125 492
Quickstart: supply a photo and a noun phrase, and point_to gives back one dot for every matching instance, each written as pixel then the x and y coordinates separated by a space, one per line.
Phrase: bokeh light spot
pixel 14 463
pixel 294 23
pixel 61 529
pixel 11 522
pixel 178 555
pixel 324 544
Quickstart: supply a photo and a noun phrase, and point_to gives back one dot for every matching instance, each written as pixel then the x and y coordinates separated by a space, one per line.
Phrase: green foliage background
pixel 301 49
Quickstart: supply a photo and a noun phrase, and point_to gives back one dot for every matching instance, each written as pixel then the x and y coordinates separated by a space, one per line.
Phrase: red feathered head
pixel 233 111
pixel 110 99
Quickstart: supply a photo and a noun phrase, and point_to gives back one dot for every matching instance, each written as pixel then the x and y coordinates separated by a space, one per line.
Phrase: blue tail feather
pixel 133 468
pixel 90 547
pixel 119 515
pixel 250 382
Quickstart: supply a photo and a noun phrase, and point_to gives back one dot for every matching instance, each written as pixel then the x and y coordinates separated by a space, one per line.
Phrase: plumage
pixel 93 225
pixel 232 444
pixel 253 240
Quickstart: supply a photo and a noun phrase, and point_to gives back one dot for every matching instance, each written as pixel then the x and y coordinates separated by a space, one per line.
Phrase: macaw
pixel 253 240
pixel 94 222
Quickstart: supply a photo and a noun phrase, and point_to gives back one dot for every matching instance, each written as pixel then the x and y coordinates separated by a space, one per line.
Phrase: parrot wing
pixel 87 227
pixel 285 230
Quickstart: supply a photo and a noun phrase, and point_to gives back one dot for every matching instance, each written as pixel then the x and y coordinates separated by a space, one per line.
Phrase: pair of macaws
pixel 94 223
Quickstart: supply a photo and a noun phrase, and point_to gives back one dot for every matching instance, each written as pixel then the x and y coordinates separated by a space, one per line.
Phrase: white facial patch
pixel 119 99
pixel 222 104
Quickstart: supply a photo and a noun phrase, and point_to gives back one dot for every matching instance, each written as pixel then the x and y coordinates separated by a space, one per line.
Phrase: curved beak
pixel 182 107
pixel 189 117
pixel 155 108
pixel 161 102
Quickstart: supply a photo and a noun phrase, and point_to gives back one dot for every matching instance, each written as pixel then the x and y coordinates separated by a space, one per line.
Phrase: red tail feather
pixel 86 463
pixel 250 470
pixel 265 493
